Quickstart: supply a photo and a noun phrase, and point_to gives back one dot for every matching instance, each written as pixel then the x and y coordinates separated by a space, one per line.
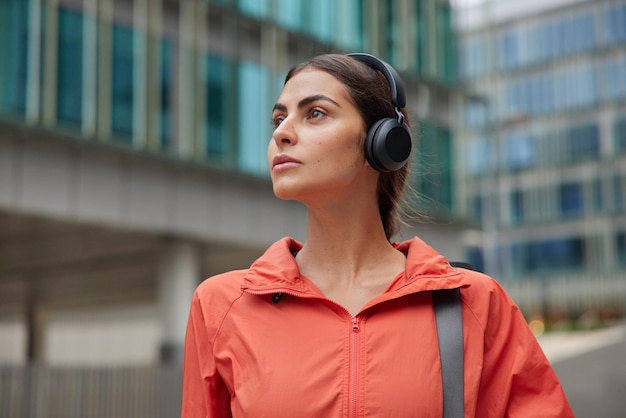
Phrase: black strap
pixel 447 304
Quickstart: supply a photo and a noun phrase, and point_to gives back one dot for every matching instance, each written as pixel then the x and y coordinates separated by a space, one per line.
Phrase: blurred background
pixel 133 137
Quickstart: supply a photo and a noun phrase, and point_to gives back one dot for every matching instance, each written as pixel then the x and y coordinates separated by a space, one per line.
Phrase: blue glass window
pixel 538 46
pixel 70 67
pixel 473 58
pixel 570 35
pixel 546 94
pixel 122 97
pixel 522 47
pixel 584 142
pixel 598 201
pixel 516 98
pixel 289 14
pixel 508 51
pixel 446 63
pixel 620 248
pixel 517 207
pixel 553 254
pixel 588 85
pixel 519 152
pixel 475 258
pixel 576 87
pixel 516 252
pixel 615 24
pixel 14 58
pixel 571 199
pixel 434 166
pixel 480 156
pixel 256 8
pixel 219 82
pixel 348 33
pixel 561 91
pixel 254 111
pixel 320 19
pixel 586 29
pixel 550 35
pixel 619 193
pixel 614 84
pixel 477 207
pixel 619 135
pixel 165 79
pixel 475 113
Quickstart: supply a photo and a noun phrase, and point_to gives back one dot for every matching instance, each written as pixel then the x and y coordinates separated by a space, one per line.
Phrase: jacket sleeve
pixel 204 392
pixel 517 379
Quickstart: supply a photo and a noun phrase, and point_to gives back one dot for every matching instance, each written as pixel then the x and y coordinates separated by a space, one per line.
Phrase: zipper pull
pixel 355 324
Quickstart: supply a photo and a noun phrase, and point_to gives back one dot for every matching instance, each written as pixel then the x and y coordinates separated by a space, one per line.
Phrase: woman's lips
pixel 283 162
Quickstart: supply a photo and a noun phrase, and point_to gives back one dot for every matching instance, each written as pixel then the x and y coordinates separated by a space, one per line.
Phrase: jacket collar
pixel 277 271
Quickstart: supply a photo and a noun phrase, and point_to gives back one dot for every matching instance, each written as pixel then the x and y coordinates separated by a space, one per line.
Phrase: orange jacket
pixel 247 354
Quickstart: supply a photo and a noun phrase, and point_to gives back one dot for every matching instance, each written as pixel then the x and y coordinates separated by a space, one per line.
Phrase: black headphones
pixel 388 141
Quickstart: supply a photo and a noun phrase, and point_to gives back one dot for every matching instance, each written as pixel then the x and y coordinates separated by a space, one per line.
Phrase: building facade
pixel 133 140
pixel 544 138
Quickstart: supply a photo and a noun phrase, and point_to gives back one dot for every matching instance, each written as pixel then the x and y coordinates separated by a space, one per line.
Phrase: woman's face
pixel 316 149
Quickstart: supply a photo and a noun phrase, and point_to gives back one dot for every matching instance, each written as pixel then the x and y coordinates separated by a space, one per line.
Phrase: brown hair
pixel 369 91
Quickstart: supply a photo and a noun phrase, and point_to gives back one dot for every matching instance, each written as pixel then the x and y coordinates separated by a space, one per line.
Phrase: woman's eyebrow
pixel 279 107
pixel 306 101
pixel 317 97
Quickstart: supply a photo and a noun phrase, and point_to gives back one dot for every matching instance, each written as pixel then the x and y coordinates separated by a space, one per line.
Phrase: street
pixel 592 368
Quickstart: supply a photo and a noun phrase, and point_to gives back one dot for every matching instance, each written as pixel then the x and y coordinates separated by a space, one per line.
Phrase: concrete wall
pixel 42 173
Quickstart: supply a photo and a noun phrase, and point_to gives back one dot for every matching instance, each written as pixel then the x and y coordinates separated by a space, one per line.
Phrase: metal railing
pixel 39 391
pixel 570 293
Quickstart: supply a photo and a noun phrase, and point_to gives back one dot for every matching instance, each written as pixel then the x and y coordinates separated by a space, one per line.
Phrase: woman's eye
pixel 277 121
pixel 316 114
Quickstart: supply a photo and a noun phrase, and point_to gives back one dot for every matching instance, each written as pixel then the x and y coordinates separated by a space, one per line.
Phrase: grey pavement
pixel 592 368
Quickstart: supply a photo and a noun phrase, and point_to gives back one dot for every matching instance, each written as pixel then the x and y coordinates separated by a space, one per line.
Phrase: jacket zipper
pixel 355 348
pixel 353 382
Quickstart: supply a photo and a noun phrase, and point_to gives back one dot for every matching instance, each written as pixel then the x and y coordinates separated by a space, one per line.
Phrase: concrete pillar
pixel 35 317
pixel 179 274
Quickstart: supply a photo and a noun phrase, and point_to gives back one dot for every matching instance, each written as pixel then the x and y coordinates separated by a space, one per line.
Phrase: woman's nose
pixel 285 133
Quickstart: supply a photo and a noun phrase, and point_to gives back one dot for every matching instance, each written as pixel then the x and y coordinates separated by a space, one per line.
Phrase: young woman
pixel 343 325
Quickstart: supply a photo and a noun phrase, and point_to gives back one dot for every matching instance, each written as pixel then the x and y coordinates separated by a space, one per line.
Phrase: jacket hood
pixel 426 269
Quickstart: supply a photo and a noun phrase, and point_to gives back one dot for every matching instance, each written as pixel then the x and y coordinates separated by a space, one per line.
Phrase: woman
pixel 343 325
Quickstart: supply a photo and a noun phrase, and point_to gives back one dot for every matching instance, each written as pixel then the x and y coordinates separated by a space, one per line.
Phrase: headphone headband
pixel 398 97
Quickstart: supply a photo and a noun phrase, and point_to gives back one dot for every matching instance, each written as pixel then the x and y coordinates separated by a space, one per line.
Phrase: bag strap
pixel 447 305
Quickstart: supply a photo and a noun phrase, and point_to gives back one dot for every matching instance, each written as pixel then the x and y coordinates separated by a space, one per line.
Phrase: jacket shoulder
pixel 480 281
pixel 213 299
pixel 223 287
pixel 489 302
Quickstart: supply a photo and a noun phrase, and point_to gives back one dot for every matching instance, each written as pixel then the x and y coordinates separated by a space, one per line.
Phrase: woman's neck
pixel 347 245
pixel 348 257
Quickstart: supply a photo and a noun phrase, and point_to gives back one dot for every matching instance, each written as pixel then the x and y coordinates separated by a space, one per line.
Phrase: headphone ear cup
pixel 388 145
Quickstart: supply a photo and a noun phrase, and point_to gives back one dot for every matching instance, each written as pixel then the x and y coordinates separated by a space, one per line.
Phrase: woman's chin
pixel 285 193
pixel 291 191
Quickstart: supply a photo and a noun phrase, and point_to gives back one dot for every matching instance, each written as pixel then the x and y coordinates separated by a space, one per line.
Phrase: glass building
pixel 195 80
pixel 544 135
